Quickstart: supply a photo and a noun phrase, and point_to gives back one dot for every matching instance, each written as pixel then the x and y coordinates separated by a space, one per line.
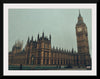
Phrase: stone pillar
pixel 79 59
pixel 42 53
pixel 75 63
pixel 64 58
pixel 72 59
pixel 56 58
pixel 37 57
pixel 30 58
pixel 53 58
pixel 59 58
pixel 45 57
pixel 49 57
pixel 83 59
pixel 56 61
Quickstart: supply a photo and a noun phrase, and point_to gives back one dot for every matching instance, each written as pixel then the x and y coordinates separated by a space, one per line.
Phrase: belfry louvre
pixel 40 52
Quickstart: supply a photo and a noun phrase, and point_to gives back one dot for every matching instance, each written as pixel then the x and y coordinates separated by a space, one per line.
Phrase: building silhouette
pixel 40 52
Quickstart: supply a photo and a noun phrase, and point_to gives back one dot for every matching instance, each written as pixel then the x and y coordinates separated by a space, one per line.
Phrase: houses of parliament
pixel 40 52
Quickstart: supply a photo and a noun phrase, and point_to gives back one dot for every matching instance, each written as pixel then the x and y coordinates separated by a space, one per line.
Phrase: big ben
pixel 82 42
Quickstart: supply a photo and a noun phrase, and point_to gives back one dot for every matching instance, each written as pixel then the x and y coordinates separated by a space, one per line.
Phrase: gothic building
pixel 40 52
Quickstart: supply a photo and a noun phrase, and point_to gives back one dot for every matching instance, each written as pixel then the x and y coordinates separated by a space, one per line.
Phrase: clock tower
pixel 82 36
pixel 82 42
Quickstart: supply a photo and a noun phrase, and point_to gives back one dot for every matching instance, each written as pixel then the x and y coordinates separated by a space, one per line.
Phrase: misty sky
pixel 60 23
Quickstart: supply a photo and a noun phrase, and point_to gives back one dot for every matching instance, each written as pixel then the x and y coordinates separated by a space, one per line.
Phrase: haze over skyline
pixel 60 23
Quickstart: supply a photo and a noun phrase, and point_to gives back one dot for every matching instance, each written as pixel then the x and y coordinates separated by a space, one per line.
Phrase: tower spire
pixel 80 19
pixel 50 36
pixel 79 13
pixel 32 38
pixel 72 50
pixel 43 34
pixel 28 40
pixel 38 36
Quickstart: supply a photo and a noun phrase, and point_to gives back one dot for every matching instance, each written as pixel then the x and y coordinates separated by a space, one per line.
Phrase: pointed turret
pixel 80 19
pixel 57 48
pixel 38 36
pixel 72 50
pixel 43 34
pixel 53 47
pixel 67 50
pixel 61 49
pixel 28 40
pixel 35 40
pixel 79 14
pixel 32 38
pixel 50 36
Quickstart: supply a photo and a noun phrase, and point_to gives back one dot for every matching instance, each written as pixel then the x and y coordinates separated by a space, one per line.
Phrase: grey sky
pixel 60 23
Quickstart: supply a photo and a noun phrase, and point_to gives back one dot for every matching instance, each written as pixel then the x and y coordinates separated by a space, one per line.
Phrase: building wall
pixel 17 59
pixel 40 53
pixel 55 58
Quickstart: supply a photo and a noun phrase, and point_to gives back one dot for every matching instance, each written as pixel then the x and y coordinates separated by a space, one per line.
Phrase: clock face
pixel 79 29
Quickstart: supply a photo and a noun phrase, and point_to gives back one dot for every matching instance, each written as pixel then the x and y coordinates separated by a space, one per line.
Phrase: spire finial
pixel 28 40
pixel 43 34
pixel 50 36
pixel 72 50
pixel 32 38
pixel 79 13
pixel 38 36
